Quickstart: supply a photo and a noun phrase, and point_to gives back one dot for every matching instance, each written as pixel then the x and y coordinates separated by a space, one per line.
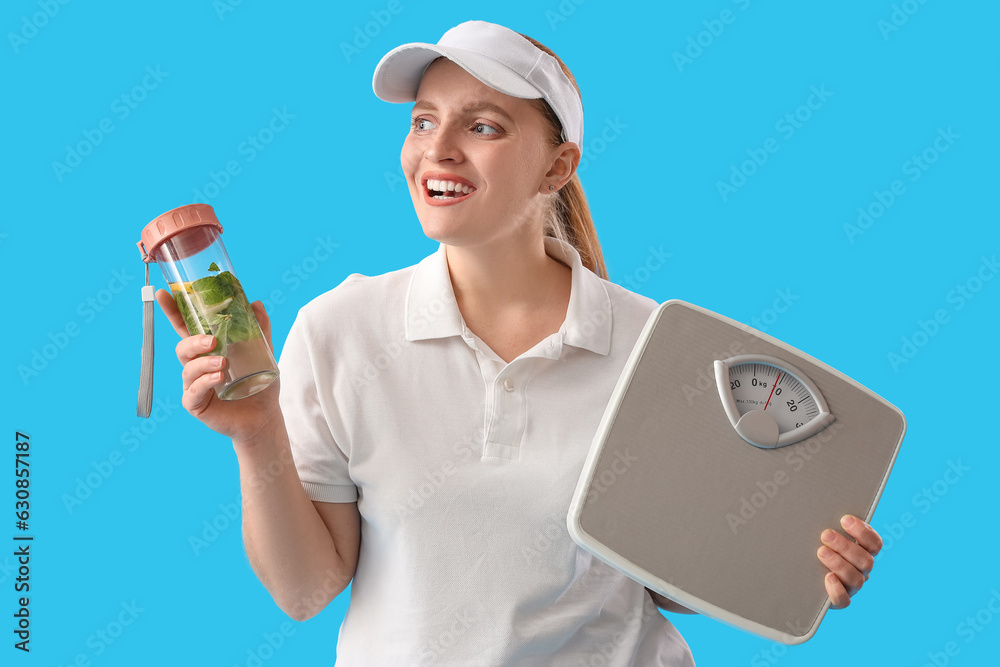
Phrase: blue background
pixel 672 131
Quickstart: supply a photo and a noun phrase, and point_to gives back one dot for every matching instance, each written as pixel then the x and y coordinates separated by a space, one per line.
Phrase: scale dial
pixel 769 402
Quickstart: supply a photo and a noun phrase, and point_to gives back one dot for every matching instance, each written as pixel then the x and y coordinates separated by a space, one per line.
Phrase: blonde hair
pixel 568 216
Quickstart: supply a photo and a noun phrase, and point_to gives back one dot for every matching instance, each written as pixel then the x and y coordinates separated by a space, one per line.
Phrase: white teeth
pixel 448 186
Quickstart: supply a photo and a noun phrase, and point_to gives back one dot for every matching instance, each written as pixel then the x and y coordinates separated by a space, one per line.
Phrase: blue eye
pixel 421 124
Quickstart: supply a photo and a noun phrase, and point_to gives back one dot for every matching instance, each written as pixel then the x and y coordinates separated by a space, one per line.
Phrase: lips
pixel 441 189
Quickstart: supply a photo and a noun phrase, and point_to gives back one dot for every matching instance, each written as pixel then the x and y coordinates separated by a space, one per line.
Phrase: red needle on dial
pixel 772 390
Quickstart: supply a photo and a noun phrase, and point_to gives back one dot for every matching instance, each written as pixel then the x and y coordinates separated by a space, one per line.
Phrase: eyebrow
pixel 475 107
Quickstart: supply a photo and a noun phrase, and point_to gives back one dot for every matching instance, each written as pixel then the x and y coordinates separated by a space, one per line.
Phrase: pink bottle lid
pixel 173 222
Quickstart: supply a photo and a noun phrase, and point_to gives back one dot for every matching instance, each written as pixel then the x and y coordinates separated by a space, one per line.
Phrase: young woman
pixel 439 415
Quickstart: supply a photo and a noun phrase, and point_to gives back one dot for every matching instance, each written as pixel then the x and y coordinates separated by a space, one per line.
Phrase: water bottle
pixel 187 244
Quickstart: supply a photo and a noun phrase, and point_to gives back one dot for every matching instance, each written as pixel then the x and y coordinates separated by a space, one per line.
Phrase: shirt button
pixel 508 385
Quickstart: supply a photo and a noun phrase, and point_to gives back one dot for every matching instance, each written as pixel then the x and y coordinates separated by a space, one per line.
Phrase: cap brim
pixel 398 74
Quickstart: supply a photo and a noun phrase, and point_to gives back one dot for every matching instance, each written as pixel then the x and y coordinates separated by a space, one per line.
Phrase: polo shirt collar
pixel 431 310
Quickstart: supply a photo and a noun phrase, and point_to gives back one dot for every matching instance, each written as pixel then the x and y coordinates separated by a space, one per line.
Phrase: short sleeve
pixel 311 417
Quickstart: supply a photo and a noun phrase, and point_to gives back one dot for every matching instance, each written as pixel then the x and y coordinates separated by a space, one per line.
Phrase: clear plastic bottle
pixel 187 244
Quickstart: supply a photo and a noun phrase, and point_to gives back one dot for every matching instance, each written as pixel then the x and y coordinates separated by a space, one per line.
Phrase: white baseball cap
pixel 497 56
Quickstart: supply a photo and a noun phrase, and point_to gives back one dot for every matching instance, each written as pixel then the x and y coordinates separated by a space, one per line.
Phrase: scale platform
pixel 721 457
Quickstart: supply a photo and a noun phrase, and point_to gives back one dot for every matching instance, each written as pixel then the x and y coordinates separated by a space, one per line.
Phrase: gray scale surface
pixel 673 497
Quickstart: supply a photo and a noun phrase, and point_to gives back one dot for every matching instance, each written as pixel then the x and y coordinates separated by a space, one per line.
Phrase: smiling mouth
pixel 442 190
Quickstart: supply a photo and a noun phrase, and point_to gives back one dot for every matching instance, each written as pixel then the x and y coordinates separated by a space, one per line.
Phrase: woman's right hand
pixel 240 420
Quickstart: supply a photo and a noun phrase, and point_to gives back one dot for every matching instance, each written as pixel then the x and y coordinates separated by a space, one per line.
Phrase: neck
pixel 511 273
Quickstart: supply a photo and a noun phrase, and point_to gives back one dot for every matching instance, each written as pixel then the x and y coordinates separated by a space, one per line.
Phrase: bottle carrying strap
pixel 146 369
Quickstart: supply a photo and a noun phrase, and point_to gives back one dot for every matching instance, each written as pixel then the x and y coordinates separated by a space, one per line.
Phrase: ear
pixel 566 157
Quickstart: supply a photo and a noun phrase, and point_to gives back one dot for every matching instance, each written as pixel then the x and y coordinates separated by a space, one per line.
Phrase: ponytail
pixel 568 218
pixel 571 217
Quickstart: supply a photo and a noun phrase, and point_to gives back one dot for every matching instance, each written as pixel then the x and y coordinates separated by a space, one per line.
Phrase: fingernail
pixel 824 552
pixel 828 536
pixel 848 521
pixel 217 361
pixel 206 341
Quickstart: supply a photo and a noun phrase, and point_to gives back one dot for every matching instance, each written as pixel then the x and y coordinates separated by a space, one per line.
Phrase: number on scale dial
pixel 769 402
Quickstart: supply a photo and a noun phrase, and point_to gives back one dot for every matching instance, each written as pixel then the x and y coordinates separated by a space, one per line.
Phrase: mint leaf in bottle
pixel 218 305
pixel 220 329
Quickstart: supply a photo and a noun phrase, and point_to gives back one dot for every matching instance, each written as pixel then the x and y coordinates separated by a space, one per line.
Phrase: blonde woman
pixel 439 415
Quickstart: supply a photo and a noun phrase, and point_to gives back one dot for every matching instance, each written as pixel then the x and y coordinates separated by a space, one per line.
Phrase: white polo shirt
pixel 463 467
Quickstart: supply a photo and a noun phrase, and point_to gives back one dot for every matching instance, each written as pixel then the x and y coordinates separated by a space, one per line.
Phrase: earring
pixel 552 187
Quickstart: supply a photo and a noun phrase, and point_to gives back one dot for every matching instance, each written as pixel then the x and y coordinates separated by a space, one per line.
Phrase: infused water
pixel 216 305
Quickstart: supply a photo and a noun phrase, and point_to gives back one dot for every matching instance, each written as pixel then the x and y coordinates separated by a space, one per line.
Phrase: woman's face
pixel 493 147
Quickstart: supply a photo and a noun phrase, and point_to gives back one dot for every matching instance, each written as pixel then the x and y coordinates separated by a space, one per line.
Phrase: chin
pixel 447 234
pixel 451 234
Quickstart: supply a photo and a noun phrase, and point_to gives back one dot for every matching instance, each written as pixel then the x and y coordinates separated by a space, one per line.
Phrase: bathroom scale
pixel 722 455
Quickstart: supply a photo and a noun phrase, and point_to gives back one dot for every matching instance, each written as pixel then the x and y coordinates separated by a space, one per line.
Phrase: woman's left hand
pixel 849 563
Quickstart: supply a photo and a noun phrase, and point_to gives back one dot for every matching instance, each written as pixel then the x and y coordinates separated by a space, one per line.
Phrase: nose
pixel 444 144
